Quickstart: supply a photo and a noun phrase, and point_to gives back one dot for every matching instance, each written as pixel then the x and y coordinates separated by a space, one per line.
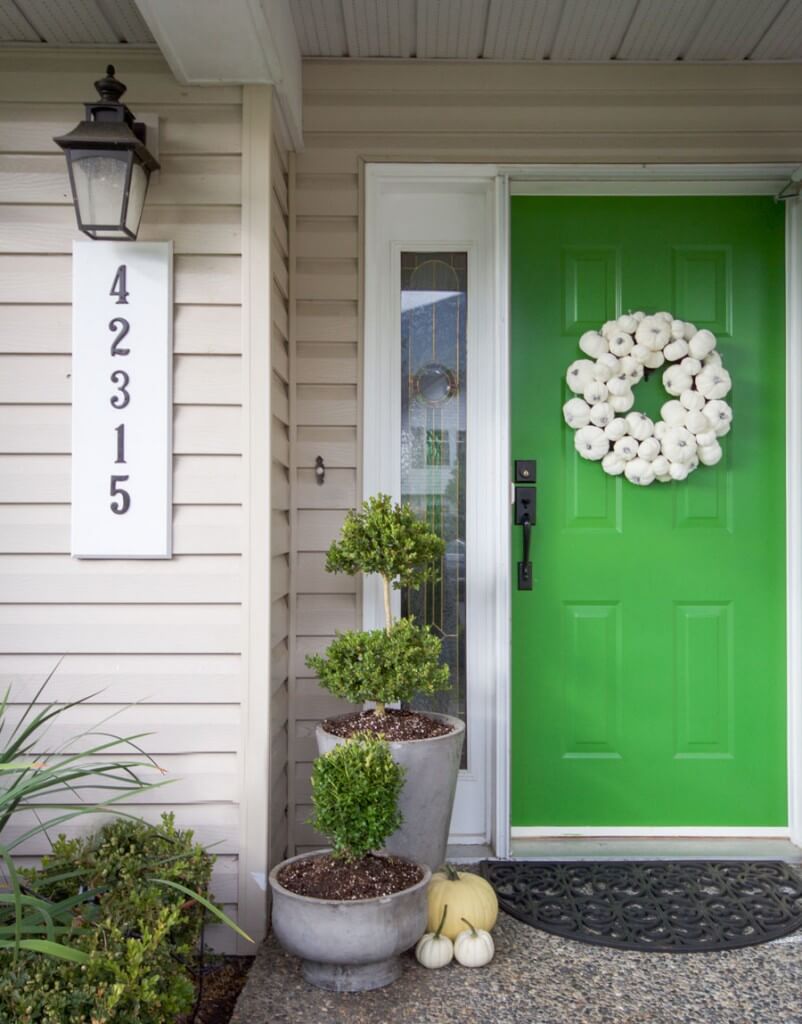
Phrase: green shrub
pixel 403 659
pixel 382 665
pixel 137 933
pixel 355 789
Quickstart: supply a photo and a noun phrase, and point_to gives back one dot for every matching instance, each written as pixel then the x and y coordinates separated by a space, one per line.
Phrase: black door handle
pixel 525 517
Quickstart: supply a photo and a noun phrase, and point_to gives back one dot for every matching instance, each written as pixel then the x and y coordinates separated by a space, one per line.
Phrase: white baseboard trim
pixel 646 832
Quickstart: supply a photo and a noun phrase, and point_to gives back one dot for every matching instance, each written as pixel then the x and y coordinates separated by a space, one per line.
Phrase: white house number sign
pixel 122 400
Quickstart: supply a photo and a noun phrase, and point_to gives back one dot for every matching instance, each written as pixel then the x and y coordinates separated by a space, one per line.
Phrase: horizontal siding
pixel 451 112
pixel 164 636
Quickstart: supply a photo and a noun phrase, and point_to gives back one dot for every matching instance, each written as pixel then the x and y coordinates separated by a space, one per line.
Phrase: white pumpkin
pixel 601 414
pixel 622 403
pixel 591 443
pixel 632 368
pixel 702 343
pixel 639 471
pixel 673 413
pixel 649 449
pixel 676 380
pixel 605 367
pixel 655 360
pixel 474 947
pixel 660 429
pixel 706 437
pixel 714 382
pixel 639 315
pixel 576 413
pixel 691 366
pixel 593 344
pixel 678 470
pixel 676 349
pixel 653 332
pixel 595 392
pixel 619 385
pixel 640 353
pixel 435 949
pixel 660 467
pixel 628 323
pixel 579 374
pixel 690 330
pixel 613 464
pixel 678 329
pixel 615 428
pixel 662 315
pixel 679 444
pixel 620 343
pixel 712 359
pixel 608 327
pixel 720 416
pixel 626 448
pixel 697 423
pixel 692 400
pixel 709 454
pixel 639 426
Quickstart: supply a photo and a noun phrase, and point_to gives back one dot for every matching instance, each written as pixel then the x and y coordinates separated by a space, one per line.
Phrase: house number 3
pixel 120 497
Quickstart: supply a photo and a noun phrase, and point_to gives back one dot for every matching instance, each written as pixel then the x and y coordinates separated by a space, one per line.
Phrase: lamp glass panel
pixel 136 197
pixel 99 180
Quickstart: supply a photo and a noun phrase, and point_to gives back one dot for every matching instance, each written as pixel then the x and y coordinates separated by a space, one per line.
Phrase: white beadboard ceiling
pixel 73 22
pixel 558 30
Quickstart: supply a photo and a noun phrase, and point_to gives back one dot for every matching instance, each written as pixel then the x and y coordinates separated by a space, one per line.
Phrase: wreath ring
pixel 628 442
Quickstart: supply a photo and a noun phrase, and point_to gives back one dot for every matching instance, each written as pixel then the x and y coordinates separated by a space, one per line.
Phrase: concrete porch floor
pixel 538 978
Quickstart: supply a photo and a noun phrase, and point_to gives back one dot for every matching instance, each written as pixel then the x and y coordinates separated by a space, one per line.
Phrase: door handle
pixel 525 517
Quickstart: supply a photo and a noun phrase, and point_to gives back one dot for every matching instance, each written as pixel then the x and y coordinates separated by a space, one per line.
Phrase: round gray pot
pixel 427 798
pixel 348 945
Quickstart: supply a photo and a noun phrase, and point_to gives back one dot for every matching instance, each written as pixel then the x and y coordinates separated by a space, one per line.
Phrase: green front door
pixel 649 677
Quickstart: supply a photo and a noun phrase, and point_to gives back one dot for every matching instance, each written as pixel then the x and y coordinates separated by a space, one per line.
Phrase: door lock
pixel 525 516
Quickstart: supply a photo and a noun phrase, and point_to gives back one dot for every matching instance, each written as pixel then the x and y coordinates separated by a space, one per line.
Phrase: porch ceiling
pixel 73 22
pixel 557 30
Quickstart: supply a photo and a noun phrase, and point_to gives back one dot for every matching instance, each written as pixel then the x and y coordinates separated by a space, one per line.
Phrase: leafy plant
pixel 403 659
pixel 139 930
pixel 355 789
pixel 93 771
pixel 382 665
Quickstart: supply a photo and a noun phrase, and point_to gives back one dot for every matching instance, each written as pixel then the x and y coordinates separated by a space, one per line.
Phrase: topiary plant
pixel 355 789
pixel 394 663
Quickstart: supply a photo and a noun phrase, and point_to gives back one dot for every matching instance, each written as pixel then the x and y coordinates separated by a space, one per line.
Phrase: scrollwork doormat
pixel 657 906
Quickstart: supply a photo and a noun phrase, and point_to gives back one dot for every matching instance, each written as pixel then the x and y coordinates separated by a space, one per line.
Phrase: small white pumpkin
pixel 679 445
pixel 639 426
pixel 720 415
pixel 622 403
pixel 601 414
pixel 473 948
pixel 709 454
pixel 691 366
pixel 676 380
pixel 613 464
pixel 593 344
pixel 435 949
pixel 640 353
pixel 660 467
pixel 620 343
pixel 615 428
pixel 620 384
pixel 674 413
pixel 702 343
pixel 653 332
pixel 595 392
pixel 654 361
pixel 678 329
pixel 605 367
pixel 579 374
pixel 697 423
pixel 591 443
pixel 649 449
pixel 639 471
pixel 626 448
pixel 714 382
pixel 628 323
pixel 576 413
pixel 692 400
pixel 690 330
pixel 677 349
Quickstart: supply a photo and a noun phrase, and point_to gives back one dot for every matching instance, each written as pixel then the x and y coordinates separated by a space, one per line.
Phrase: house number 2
pixel 120 497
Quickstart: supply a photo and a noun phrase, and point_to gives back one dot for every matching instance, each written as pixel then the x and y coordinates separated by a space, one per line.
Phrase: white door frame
pixel 645 179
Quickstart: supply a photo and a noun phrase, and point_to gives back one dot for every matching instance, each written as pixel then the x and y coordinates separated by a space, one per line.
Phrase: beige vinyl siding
pixel 280 496
pixel 460 112
pixel 168 634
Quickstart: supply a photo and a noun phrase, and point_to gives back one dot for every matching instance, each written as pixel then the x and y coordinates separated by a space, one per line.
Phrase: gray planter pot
pixel 348 945
pixel 427 799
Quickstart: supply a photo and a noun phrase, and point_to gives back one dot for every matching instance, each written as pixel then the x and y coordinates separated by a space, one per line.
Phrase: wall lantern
pixel 109 164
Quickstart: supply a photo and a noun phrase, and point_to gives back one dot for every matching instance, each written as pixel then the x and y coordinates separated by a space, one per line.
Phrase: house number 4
pixel 120 497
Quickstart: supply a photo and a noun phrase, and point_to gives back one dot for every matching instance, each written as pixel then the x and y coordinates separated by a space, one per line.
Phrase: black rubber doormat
pixel 658 906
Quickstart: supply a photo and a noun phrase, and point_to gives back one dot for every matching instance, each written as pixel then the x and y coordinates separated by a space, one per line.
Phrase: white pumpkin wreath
pixel 627 441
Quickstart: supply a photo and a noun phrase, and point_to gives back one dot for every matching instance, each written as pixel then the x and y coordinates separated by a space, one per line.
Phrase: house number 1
pixel 120 497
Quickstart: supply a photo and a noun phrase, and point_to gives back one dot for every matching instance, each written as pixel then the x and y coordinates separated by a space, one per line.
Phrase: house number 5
pixel 120 497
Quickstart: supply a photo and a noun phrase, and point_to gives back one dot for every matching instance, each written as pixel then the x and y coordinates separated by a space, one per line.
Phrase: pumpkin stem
pixel 442 922
pixel 473 930
pixel 451 873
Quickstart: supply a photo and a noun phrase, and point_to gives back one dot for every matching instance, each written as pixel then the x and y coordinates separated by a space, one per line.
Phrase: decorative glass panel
pixel 433 406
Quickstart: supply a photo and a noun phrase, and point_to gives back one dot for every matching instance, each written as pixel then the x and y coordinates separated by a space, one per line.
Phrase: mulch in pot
pixel 325 877
pixel 394 725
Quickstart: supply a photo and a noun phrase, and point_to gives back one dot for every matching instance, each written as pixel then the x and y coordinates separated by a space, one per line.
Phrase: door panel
pixel 649 683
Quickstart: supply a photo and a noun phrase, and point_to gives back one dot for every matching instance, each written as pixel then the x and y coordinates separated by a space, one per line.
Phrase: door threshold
pixel 656 848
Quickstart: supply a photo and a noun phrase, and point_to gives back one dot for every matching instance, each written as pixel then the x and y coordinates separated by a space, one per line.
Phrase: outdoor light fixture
pixel 109 164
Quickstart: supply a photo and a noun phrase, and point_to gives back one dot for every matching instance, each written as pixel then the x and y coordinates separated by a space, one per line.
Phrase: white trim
pixel 454 208
pixel 793 508
pixel 754 179
pixel 254 762
pixel 257 45
pixel 678 831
